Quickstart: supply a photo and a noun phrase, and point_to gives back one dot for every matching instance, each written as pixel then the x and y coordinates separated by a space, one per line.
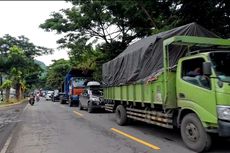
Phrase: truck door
pixel 196 91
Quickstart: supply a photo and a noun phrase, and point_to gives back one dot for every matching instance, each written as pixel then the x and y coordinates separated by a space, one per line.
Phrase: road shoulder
pixel 13 104
pixel 10 125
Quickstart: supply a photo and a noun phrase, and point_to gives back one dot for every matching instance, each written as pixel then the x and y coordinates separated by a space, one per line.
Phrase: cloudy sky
pixel 23 18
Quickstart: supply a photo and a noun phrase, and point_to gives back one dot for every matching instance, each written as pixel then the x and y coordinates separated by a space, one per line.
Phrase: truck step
pixel 151 117
pixel 165 120
pixel 151 122
pixel 109 107
pixel 150 112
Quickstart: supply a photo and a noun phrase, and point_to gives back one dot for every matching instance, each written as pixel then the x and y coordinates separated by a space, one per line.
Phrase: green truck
pixel 190 92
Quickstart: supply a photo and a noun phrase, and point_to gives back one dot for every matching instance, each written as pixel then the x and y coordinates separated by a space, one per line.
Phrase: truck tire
pixel 90 107
pixel 70 103
pixel 193 133
pixel 121 117
pixel 80 106
pixel 62 102
pixel 77 103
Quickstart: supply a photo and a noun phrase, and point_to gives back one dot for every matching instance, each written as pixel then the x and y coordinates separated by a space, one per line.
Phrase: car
pixel 59 96
pixel 48 95
pixel 92 97
pixel 63 97
pixel 55 95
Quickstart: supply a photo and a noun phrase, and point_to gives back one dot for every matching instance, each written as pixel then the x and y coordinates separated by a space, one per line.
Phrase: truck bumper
pixel 224 128
pixel 97 105
pixel 75 98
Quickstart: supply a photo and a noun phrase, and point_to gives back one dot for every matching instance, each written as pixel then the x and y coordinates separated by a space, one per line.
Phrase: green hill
pixel 43 66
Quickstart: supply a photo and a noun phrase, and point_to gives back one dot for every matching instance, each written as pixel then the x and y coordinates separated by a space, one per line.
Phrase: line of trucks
pixel 175 79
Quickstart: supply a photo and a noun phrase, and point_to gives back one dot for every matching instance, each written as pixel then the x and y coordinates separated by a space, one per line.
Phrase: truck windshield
pixel 96 90
pixel 78 82
pixel 221 64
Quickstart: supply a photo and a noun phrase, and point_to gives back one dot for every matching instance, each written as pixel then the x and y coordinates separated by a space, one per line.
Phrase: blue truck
pixel 73 85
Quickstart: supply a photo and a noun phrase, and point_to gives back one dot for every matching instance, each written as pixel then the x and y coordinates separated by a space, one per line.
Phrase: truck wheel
pixel 121 117
pixel 90 107
pixel 77 103
pixel 80 106
pixel 194 134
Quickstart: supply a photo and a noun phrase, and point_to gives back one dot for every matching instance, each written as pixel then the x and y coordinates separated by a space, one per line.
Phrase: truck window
pixel 192 73
pixel 221 64
pixel 78 82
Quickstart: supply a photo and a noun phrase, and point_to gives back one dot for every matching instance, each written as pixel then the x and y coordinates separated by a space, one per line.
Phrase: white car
pixel 48 95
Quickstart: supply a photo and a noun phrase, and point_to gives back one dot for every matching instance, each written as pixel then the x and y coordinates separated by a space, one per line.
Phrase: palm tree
pixel 7 85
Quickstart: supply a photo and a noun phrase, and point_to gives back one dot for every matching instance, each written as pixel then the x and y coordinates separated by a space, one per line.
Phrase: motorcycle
pixel 31 100
pixel 37 98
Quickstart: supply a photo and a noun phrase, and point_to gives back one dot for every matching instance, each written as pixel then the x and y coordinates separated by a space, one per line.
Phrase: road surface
pixel 49 127
pixel 9 117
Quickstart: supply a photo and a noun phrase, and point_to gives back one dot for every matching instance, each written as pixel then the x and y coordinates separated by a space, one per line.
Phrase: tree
pixel 122 21
pixel 93 21
pixel 56 73
pixel 84 56
pixel 113 25
pixel 17 61
pixel 7 85
pixel 104 21
pixel 30 50
pixel 214 14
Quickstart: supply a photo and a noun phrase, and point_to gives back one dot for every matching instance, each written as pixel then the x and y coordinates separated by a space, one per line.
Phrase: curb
pixel 17 103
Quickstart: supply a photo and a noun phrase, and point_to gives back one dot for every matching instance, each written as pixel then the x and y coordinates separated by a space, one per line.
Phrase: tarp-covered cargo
pixel 144 58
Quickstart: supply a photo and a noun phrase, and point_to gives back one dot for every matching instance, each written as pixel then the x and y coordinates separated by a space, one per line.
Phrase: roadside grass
pixel 12 101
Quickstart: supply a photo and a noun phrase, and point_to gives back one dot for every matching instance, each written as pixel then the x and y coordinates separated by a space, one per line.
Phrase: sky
pixel 24 17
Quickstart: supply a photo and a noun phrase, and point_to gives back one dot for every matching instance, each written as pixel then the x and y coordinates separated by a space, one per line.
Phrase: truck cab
pixel 207 93
pixel 74 84
pixel 202 89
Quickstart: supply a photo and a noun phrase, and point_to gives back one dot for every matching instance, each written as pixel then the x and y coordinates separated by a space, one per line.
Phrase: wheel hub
pixel 192 132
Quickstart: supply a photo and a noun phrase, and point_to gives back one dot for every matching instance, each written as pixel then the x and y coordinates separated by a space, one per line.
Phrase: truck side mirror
pixel 207 68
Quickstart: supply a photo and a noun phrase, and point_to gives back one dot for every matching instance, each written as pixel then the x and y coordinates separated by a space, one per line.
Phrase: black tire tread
pixel 205 140
pixel 90 109
pixel 122 118
pixel 80 106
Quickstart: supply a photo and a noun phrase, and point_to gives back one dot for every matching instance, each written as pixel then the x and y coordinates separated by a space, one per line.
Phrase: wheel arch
pixel 182 113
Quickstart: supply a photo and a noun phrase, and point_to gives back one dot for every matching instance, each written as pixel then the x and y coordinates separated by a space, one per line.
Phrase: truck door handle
pixel 181 95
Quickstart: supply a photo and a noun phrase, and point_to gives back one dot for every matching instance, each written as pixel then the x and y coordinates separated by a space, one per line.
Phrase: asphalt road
pixel 9 117
pixel 49 127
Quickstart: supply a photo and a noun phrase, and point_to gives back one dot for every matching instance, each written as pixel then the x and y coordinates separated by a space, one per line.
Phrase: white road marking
pixel 5 147
pixel 25 108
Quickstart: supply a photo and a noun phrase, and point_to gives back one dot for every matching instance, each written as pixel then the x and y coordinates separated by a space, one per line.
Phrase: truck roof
pixel 74 72
pixel 144 58
pixel 93 83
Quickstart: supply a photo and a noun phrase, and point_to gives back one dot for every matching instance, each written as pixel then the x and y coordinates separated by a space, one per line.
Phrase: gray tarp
pixel 145 57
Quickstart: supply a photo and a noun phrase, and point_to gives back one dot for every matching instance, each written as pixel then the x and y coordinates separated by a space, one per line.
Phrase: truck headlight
pixel 223 112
